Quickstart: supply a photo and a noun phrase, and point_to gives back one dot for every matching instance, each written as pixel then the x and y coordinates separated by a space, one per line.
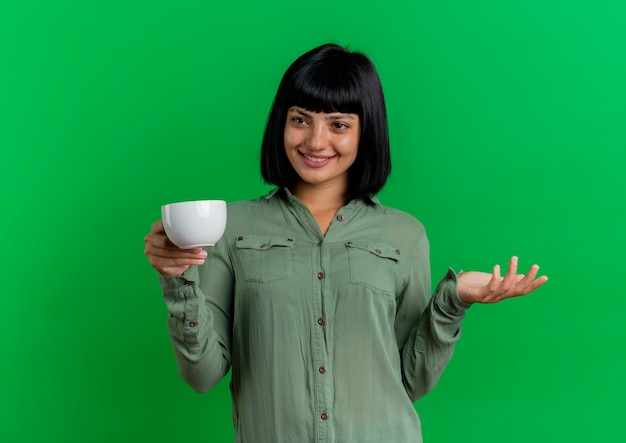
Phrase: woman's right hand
pixel 165 256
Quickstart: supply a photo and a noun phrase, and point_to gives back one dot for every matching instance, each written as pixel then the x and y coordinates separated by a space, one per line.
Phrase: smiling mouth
pixel 315 159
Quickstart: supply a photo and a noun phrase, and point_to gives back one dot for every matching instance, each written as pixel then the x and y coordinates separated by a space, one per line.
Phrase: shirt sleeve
pixel 200 307
pixel 433 324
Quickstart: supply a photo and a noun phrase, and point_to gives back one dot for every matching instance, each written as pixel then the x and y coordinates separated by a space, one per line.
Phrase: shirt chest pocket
pixel 265 259
pixel 373 265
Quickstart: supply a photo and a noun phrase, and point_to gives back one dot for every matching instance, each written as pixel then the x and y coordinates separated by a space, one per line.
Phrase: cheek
pixel 350 149
pixel 291 138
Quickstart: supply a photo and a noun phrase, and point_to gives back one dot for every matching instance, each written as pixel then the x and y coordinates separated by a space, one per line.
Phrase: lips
pixel 315 161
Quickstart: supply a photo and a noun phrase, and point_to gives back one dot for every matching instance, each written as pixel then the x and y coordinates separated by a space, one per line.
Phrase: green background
pixel 507 123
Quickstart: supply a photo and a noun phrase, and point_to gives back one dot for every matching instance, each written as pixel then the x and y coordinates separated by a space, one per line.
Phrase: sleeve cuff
pixel 178 286
pixel 447 295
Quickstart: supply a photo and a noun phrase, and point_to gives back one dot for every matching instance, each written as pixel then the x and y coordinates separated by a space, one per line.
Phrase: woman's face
pixel 321 146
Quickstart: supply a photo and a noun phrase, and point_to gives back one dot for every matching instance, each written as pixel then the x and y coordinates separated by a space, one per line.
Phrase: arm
pixel 431 326
pixel 199 303
pixel 430 344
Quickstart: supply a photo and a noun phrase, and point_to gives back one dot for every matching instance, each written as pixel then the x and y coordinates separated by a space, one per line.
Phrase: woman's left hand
pixel 481 287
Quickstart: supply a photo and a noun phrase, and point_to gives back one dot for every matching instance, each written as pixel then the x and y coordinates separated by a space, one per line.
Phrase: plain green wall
pixel 508 133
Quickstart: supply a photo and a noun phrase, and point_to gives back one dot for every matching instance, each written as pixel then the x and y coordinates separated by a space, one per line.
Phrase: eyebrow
pixel 332 116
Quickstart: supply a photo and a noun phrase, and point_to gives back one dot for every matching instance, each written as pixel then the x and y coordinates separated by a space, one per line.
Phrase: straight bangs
pixel 324 89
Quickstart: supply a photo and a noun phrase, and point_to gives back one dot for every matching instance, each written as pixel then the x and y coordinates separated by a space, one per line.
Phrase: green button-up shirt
pixel 330 338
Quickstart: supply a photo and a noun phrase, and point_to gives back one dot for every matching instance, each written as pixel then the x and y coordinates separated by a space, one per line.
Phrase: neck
pixel 319 198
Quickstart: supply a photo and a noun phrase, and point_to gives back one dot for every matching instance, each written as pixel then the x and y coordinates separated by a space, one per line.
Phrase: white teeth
pixel 316 159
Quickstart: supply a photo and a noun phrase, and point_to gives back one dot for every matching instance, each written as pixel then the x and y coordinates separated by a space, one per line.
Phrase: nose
pixel 317 137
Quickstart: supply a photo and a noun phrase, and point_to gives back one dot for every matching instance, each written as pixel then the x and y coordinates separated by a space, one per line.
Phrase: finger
pixel 158 247
pixel 509 279
pixel 540 281
pixel 526 284
pixel 166 249
pixel 159 239
pixel 493 284
pixel 173 266
pixel 530 276
pixel 529 283
pixel 169 262
pixel 536 284
pixel 157 227
pixel 157 232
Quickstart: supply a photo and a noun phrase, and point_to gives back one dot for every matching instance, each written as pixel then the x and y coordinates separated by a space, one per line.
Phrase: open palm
pixel 482 287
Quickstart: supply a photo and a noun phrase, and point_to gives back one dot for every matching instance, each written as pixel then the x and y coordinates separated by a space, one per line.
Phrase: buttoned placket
pixel 320 360
pixel 325 326
pixel 321 323
pixel 323 376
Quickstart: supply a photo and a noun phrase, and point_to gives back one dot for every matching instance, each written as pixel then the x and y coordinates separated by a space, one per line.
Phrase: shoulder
pixel 397 220
pixel 394 227
pixel 246 205
pixel 254 204
pixel 401 218
pixel 255 213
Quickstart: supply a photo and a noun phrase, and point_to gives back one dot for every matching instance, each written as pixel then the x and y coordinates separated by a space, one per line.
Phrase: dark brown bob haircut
pixel 330 78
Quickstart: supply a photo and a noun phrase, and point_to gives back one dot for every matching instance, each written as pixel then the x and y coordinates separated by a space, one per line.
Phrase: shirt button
pixel 324 416
pixel 320 275
pixel 188 283
pixel 322 370
pixel 321 321
pixel 193 324
pixel 377 251
pixel 398 251
pixel 319 243
pixel 340 217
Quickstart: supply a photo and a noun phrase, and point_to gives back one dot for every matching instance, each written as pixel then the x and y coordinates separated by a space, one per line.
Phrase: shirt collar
pixel 271 194
pixel 290 197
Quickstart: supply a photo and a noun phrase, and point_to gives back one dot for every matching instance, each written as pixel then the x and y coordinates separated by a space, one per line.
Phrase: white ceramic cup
pixel 194 224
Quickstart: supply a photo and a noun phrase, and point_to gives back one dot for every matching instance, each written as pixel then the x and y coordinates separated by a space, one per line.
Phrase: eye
pixel 298 120
pixel 340 126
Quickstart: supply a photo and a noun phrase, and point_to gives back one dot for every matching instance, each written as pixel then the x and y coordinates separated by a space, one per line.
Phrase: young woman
pixel 318 297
